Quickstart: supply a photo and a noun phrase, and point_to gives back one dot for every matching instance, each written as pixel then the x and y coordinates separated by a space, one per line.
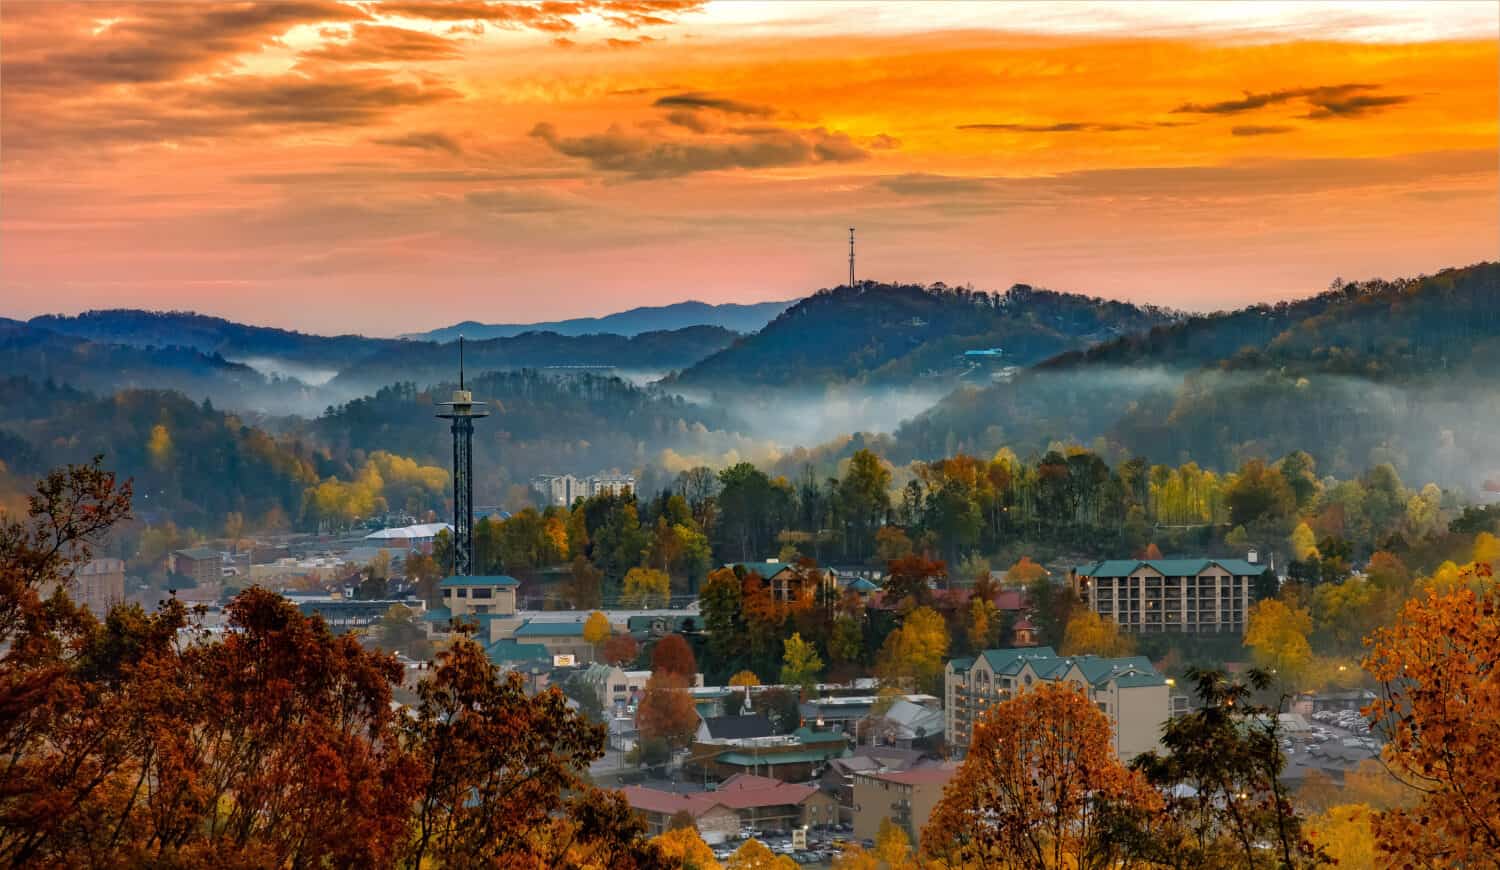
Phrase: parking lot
pixel 822 845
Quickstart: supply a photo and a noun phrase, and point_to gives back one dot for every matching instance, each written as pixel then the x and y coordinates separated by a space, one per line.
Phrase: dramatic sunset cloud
pixel 391 166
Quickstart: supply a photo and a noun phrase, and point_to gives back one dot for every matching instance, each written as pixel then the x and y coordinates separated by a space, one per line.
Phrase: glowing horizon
pixel 392 167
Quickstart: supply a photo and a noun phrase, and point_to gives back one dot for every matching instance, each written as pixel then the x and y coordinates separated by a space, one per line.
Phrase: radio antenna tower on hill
pixel 851 258
pixel 462 411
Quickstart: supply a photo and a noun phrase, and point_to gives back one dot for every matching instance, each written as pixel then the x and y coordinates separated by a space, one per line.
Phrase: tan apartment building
pixel 905 797
pixel 99 585
pixel 1129 691
pixel 1153 596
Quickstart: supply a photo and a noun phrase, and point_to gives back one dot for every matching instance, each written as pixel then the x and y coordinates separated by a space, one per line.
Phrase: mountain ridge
pixel 734 316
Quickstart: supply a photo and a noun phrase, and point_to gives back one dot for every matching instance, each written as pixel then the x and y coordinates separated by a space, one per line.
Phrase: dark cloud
pixel 657 157
pixel 149 42
pixel 691 120
pixel 1329 101
pixel 1063 127
pixel 698 100
pixel 1258 130
pixel 353 98
pixel 883 142
pixel 1352 107
pixel 433 141
pixel 373 43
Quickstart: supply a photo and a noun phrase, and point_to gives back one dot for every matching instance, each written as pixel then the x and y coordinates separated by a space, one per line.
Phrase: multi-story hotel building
pixel 1152 596
pixel 1129 691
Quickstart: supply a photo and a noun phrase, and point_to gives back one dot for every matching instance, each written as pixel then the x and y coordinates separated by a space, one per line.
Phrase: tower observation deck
pixel 463 411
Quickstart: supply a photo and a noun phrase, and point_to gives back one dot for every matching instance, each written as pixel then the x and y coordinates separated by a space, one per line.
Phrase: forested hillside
pixel 43 355
pixel 212 335
pixel 1401 371
pixel 894 333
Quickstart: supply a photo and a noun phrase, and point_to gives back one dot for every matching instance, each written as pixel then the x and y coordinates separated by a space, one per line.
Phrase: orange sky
pixel 387 167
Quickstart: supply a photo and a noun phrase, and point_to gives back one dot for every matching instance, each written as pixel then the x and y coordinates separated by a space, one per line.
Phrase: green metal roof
pixel 807 735
pixel 1170 567
pixel 860 584
pixel 1009 661
pixel 508 650
pixel 550 629
pixel 1051 666
pixel 766 570
pixel 1137 681
pixel 496 580
pixel 750 759
pixel 437 614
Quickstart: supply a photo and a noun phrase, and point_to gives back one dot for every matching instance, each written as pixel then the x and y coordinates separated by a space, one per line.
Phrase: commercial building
pixel 740 802
pixel 1152 596
pixel 418 537
pixel 479 596
pixel 795 757
pixel 1129 691
pixel 906 797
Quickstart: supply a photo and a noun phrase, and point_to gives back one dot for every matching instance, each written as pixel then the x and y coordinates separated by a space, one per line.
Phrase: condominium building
pixel 1152 596
pixel 563 489
pixel 1129 691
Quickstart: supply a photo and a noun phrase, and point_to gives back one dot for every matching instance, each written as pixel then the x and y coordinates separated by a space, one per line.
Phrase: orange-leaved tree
pixel 1439 705
pixel 667 710
pixel 1040 787
pixel 672 655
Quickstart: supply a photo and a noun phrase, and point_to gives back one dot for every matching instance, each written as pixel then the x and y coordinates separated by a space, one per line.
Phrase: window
pixel 484 593
pixel 481 608
pixel 447 593
pixel 463 593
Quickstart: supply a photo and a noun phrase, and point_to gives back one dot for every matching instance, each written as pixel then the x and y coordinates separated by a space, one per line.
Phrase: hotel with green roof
pixel 1154 596
pixel 1129 691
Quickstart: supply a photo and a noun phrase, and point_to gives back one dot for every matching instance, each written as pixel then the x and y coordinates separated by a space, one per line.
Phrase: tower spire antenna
pixel 460 361
pixel 851 258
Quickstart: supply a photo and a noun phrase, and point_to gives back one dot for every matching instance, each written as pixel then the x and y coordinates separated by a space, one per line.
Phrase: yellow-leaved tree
pixel 646 587
pixel 596 629
pixel 1276 633
pixel 915 652
pixel 1088 633
pixel 683 847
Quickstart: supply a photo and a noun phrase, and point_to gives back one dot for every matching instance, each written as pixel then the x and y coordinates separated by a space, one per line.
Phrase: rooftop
pixel 536 628
pixel 495 580
pixel 935 774
pixel 200 553
pixel 1170 567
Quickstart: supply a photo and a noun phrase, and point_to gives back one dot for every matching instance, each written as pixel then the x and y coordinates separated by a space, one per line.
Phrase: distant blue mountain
pixel 659 318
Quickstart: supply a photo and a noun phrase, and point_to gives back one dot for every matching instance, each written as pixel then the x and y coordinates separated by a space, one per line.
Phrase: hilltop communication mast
pixel 851 258
pixel 462 411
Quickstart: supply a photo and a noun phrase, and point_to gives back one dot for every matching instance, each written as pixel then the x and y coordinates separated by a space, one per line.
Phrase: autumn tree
pixel 672 655
pixel 585 584
pixel 909 581
pixel 1039 788
pixel 596 630
pixel 1024 572
pixel 1440 709
pixel 619 649
pixel 502 776
pixel 645 588
pixel 754 855
pixel 682 847
pixel 744 679
pixel 667 711
pixel 721 605
pixel 1276 633
pixel 916 652
pixel 800 663
pixel 1088 633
